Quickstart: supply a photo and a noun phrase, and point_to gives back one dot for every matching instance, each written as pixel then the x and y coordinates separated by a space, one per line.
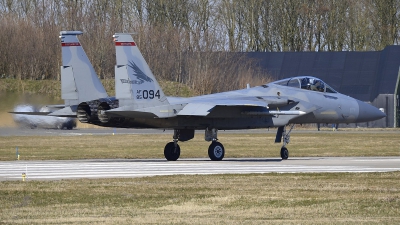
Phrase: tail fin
pixel 79 81
pixel 135 84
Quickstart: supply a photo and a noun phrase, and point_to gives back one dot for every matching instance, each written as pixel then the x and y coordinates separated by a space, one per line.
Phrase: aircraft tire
pixel 284 153
pixel 170 153
pixel 216 151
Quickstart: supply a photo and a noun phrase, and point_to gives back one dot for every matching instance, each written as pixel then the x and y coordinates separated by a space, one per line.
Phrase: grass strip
pixel 321 198
pixel 314 144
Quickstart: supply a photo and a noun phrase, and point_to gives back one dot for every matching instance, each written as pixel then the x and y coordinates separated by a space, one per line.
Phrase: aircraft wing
pixel 204 108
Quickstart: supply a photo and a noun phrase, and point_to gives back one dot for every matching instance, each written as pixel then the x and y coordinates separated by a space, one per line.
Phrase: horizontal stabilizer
pixel 32 113
pixel 65 112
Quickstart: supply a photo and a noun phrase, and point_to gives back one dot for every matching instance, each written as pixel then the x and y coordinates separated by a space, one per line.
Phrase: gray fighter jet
pixel 141 103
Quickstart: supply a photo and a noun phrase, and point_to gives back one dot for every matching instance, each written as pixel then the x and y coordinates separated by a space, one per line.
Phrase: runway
pixel 15 131
pixel 129 168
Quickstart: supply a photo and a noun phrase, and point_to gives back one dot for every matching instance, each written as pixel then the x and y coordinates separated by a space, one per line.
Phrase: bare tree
pixel 193 42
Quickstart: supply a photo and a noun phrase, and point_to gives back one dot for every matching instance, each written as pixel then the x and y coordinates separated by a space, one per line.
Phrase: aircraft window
pixel 329 89
pixel 294 83
pixel 304 83
pixel 308 83
pixel 313 84
pixel 319 86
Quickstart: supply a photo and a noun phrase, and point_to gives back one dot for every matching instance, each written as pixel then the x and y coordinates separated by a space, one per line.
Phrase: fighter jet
pixel 143 104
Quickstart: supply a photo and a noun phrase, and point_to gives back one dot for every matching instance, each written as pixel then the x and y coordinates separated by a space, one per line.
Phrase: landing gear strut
pixel 216 151
pixel 282 134
pixel 172 151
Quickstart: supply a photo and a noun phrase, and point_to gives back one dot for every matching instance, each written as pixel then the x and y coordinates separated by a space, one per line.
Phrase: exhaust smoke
pixel 35 121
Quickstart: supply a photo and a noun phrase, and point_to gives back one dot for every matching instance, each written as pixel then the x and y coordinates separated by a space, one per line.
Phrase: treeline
pixel 190 41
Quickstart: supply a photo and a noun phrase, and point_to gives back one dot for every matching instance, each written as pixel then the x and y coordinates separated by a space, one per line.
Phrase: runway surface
pixel 15 131
pixel 113 168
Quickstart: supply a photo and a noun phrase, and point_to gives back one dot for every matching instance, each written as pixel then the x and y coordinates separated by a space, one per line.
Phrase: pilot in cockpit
pixel 315 84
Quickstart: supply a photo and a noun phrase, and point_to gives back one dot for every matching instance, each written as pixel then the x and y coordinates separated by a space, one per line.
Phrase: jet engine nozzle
pixel 101 112
pixel 94 111
pixel 84 113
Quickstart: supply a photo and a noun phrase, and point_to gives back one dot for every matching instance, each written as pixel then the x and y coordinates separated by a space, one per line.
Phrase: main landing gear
pixel 282 134
pixel 216 150
pixel 172 151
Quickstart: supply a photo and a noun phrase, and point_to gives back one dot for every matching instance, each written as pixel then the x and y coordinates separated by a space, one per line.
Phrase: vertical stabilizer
pixel 79 81
pixel 135 84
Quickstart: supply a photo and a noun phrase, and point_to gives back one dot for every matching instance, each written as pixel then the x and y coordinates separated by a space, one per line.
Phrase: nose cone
pixel 368 112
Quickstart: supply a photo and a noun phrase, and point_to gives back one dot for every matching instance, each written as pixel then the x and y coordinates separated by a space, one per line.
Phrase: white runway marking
pixel 112 168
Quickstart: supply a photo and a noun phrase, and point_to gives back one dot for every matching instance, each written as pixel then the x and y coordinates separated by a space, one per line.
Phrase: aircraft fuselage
pixel 319 107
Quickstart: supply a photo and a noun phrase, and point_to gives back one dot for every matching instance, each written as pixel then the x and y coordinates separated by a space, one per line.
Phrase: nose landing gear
pixel 284 153
pixel 281 134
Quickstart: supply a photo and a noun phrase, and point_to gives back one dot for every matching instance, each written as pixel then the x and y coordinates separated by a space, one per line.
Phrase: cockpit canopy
pixel 306 82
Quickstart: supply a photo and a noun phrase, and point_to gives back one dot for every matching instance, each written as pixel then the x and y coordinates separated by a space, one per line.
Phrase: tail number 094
pixel 150 94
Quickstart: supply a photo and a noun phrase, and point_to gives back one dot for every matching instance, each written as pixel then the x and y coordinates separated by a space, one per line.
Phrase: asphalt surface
pixel 113 168
pixel 15 131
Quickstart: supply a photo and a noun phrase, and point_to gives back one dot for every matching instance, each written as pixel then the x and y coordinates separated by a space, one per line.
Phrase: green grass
pixel 45 87
pixel 345 198
pixel 303 144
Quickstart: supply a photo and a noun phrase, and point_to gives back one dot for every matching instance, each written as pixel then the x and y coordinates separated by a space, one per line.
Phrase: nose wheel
pixel 284 153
